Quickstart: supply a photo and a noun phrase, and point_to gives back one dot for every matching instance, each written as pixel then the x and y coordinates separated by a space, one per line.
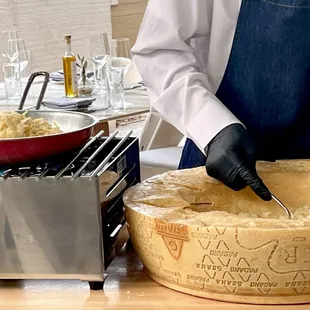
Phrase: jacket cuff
pixel 209 122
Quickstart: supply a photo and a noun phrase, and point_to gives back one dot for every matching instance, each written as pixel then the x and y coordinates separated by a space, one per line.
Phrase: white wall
pixel 43 24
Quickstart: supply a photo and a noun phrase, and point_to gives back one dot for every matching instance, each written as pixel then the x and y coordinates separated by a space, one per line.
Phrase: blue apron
pixel 267 79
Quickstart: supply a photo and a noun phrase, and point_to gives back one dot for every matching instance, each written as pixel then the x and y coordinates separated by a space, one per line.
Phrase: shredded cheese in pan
pixel 18 125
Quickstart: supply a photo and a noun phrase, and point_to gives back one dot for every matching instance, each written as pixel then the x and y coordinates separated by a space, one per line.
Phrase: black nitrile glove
pixel 231 159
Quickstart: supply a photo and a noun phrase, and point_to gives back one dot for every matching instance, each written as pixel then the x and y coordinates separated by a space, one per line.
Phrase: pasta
pixel 18 125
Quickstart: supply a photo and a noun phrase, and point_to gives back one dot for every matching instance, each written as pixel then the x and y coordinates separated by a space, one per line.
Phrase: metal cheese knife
pixel 287 211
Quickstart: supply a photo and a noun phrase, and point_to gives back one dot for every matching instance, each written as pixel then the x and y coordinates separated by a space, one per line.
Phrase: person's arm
pixel 170 68
pixel 180 91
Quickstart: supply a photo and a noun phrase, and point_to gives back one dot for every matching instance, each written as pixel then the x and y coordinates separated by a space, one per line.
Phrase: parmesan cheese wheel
pixel 195 235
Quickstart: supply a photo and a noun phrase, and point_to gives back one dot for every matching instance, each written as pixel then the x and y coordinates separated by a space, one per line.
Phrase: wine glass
pixel 13 50
pixel 100 52
pixel 6 36
pixel 23 59
pixel 121 56
pixel 22 52
pixel 17 52
pixel 99 48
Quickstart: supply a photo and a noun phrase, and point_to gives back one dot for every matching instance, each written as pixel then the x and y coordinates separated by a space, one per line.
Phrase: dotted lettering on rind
pixel 172 273
pixel 272 242
pixel 221 231
pixel 245 279
pixel 290 259
pixel 299 291
pixel 202 228
pixel 222 246
pixel 223 282
pixel 231 290
pixel 263 277
pixel 227 276
pixel 299 239
pixel 207 258
pixel 226 254
pixel 299 275
pixel 241 261
pixel 264 292
pixel 205 247
pixel 201 286
pixel 196 279
pixel 264 285
pixel 226 265
pixel 210 275
pixel 204 236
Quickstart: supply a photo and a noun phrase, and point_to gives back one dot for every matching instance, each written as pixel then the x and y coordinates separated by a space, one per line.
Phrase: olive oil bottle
pixel 69 69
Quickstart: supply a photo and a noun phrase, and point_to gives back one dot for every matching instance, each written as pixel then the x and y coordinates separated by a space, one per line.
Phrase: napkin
pixel 68 103
pixel 59 76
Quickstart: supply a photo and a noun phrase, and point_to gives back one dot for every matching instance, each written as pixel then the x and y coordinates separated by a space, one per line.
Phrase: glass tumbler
pixel 115 80
pixel 12 81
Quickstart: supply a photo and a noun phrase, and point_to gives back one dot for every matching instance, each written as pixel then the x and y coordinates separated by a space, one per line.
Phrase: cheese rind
pixel 196 236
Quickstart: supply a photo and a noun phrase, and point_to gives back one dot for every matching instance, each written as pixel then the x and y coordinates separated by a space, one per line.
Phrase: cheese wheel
pixel 196 236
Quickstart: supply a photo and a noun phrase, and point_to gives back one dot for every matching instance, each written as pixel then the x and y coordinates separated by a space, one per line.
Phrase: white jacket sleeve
pixel 178 88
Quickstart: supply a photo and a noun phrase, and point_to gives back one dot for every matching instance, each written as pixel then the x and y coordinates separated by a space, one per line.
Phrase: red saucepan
pixel 76 130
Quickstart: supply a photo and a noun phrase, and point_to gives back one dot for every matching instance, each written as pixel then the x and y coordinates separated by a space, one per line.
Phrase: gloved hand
pixel 231 159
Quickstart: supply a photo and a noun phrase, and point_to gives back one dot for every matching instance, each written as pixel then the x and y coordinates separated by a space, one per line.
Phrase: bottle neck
pixel 68 49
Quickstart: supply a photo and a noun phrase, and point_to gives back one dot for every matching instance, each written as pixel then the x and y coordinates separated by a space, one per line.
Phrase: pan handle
pixel 29 83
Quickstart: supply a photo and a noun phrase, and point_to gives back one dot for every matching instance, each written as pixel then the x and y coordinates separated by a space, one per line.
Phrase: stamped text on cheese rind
pixel 201 235
pixel 198 278
pixel 172 273
pixel 208 267
pixel 229 282
pixel 264 284
pixel 297 283
pixel 244 269
pixel 223 253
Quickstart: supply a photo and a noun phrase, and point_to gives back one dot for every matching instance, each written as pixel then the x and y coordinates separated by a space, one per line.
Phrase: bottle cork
pixel 68 38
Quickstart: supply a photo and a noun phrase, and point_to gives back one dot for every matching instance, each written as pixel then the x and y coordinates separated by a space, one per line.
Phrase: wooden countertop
pixel 127 287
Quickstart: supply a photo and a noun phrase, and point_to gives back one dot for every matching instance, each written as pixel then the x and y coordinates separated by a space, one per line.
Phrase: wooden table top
pixel 127 287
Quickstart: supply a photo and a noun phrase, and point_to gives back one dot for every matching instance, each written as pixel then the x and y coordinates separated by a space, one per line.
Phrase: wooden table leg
pixel 102 126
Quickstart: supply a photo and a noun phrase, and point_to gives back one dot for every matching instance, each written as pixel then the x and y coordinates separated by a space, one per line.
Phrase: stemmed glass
pixel 23 57
pixel 14 49
pixel 119 65
pixel 8 48
pixel 24 60
pixel 18 53
pixel 100 52
pixel 121 56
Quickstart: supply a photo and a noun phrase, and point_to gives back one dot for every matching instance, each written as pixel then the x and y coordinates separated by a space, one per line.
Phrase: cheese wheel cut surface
pixel 195 235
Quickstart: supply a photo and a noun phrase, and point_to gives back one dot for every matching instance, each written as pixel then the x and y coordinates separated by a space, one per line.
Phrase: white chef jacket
pixel 182 52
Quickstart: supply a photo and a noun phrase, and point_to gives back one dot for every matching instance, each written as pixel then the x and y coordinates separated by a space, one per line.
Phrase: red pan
pixel 76 130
